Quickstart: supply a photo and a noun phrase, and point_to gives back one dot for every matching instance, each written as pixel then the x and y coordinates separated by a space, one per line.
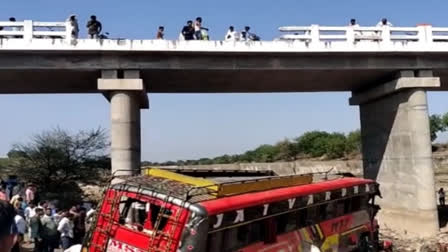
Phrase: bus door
pixel 142 223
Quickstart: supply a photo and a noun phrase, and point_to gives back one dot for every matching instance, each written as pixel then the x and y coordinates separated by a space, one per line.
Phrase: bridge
pixel 387 69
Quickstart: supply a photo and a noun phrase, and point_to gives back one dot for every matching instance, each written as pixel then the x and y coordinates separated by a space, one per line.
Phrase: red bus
pixel 169 212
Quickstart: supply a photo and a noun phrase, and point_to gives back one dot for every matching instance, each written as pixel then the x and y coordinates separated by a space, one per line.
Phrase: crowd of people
pixel 191 31
pixel 42 224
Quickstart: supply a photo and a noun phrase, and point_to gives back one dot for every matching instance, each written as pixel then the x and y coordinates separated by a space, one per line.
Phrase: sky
pixel 190 126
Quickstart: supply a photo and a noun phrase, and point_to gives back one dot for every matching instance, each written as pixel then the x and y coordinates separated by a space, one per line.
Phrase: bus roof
pixel 219 205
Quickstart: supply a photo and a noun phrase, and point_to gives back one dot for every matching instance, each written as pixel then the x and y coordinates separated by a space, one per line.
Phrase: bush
pixel 354 142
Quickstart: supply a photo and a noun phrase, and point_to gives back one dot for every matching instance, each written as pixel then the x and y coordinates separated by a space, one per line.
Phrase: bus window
pixel 302 218
pixel 355 203
pixel 140 215
pixel 282 222
pixel 340 207
pixel 132 213
pixel 230 240
pixel 330 211
pixel 239 237
pixel 155 211
pixel 214 242
pixel 287 222
pixel 313 215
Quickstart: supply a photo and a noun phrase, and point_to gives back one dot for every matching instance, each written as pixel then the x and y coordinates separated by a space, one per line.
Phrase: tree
pixel 354 142
pixel 286 150
pixel 336 145
pixel 312 143
pixel 437 124
pixel 57 159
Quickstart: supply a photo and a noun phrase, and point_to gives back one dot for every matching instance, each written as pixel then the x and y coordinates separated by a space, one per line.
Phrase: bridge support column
pixel 127 96
pixel 397 151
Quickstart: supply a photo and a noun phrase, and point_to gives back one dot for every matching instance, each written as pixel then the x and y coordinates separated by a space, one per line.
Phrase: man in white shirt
pixel 30 211
pixel 232 35
pixel 21 229
pixel 65 227
pixel 384 22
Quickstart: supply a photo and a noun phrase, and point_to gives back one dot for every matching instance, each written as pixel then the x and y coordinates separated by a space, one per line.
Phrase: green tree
pixel 313 143
pixel 56 160
pixel 336 144
pixel 354 142
pixel 286 150
pixel 437 124
pixel 265 153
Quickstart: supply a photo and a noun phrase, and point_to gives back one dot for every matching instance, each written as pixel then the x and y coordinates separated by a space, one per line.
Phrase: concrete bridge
pixel 387 69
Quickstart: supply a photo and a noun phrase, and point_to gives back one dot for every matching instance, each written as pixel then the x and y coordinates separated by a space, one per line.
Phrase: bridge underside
pixel 202 81
pixel 63 72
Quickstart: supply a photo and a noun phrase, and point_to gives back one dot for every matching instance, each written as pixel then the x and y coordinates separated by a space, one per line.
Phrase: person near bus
pixel 36 230
pixel 8 229
pixel 50 235
pixel 30 194
pixel 65 227
pixel 441 193
pixel 3 194
pixel 188 31
pixel 79 226
pixel 21 230
pixel 94 27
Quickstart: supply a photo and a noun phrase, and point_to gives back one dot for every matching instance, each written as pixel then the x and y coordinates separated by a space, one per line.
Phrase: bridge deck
pixel 310 59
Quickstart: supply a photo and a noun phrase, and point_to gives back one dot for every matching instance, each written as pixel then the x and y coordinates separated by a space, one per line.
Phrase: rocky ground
pixel 404 244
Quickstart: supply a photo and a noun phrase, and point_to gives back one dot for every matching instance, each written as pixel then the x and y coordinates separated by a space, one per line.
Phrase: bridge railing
pixel 344 38
pixel 354 34
pixel 29 30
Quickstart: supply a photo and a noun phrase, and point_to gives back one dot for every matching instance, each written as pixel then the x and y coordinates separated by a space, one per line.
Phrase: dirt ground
pixel 28 247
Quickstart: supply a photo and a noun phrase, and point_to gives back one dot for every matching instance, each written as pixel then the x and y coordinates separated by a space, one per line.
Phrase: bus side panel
pixel 326 235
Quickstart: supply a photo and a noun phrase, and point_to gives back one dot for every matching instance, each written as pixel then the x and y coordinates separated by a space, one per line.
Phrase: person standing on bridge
pixel 353 23
pixel 384 22
pixel 73 24
pixel 232 35
pixel 197 28
pixel 160 33
pixel 188 31
pixel 94 27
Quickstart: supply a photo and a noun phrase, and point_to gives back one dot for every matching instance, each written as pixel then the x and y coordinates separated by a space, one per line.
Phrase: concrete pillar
pixel 396 148
pixel 127 96
pixel 125 132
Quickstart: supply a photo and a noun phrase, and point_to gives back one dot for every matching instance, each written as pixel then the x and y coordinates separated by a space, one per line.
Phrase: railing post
pixel 385 35
pixel 315 35
pixel 68 32
pixel 428 33
pixel 28 29
pixel 350 35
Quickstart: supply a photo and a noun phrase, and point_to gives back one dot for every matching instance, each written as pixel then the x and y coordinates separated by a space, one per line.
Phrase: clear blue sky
pixel 204 125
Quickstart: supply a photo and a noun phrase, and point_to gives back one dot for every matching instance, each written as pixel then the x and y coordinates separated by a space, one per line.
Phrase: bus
pixel 170 212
